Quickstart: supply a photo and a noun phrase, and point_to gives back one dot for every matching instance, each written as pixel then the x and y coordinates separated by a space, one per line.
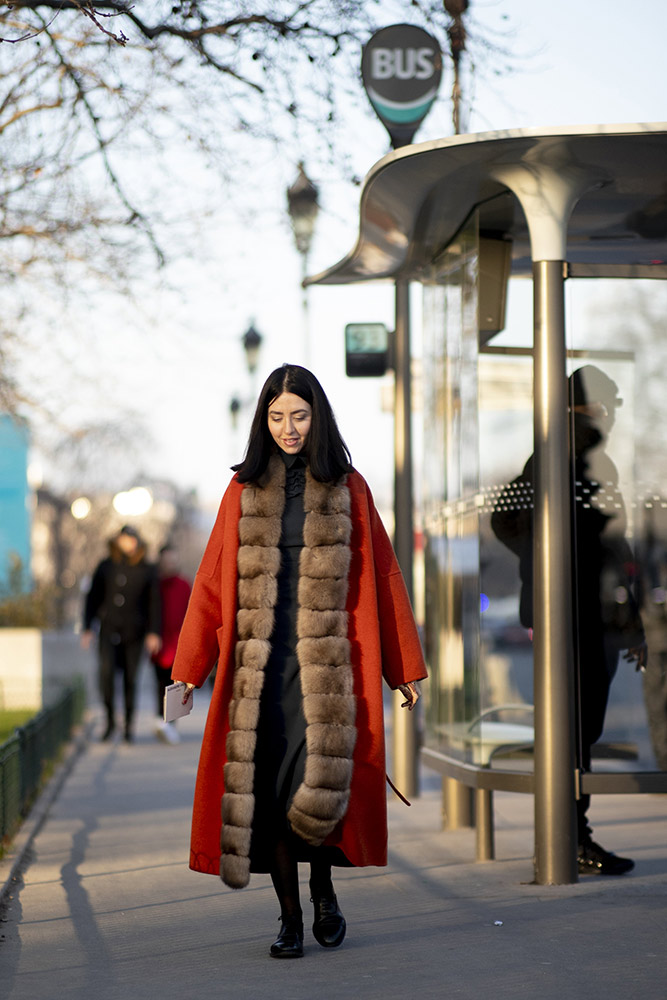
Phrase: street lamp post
pixel 252 342
pixel 303 207
pixel 234 410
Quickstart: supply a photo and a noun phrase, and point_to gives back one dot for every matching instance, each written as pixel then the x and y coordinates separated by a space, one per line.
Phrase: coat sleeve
pixel 197 649
pixel 94 597
pixel 402 655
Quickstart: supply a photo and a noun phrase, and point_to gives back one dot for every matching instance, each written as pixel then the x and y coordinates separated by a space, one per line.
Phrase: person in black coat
pixel 606 615
pixel 124 598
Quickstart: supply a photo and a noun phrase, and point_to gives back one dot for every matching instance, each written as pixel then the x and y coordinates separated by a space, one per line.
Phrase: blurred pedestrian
pixel 300 596
pixel 606 615
pixel 174 597
pixel 124 599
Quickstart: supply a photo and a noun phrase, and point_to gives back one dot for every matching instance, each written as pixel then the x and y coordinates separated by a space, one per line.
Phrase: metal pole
pixel 457 804
pixel 555 810
pixel 405 723
pixel 484 840
pixel 305 311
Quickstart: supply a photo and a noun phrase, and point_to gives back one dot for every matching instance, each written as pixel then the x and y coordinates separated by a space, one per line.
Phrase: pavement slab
pixel 103 906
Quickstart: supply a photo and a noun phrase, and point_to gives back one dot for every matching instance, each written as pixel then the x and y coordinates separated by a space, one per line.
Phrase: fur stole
pixel 323 652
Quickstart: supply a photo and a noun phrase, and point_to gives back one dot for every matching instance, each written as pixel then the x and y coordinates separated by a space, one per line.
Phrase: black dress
pixel 280 754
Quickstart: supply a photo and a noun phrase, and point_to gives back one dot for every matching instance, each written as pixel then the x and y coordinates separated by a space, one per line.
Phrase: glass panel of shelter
pixel 451 487
pixel 477 510
pixel 505 511
pixel 617 337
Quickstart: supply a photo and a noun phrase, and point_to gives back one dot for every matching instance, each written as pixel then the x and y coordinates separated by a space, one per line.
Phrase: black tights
pixel 285 878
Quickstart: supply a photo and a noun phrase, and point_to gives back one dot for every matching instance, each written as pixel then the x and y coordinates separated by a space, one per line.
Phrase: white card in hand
pixel 173 702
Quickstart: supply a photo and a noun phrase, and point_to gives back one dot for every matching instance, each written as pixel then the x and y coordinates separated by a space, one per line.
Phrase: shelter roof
pixel 415 200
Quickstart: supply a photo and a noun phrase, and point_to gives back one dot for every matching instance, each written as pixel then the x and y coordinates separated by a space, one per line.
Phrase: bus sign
pixel 401 67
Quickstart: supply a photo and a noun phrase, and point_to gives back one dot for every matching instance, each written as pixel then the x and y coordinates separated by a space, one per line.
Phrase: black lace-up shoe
pixel 594 860
pixel 329 925
pixel 289 943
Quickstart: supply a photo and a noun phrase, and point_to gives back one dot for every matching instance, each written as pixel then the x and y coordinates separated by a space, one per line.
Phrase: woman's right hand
pixel 189 688
pixel 411 692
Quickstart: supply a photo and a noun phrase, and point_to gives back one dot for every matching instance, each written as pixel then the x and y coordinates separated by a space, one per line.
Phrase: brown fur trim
pixel 235 870
pixel 329 709
pixel 256 531
pixel 322 803
pixel 268 500
pixel 327 529
pixel 244 714
pixel 317 680
pixel 328 772
pixel 325 562
pixel 254 623
pixel 329 705
pixel 255 560
pixel 332 741
pixel 312 830
pixel 323 651
pixel 331 650
pixel 258 564
pixel 253 653
pixel 237 809
pixel 247 683
pixel 236 839
pixel 322 498
pixel 322 595
pixel 239 777
pixel 241 746
pixel 321 623
pixel 260 592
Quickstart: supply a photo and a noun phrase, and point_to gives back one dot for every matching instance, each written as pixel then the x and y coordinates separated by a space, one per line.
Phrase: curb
pixel 17 858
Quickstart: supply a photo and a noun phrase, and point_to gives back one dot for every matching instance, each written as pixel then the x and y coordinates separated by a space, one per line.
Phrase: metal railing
pixel 25 758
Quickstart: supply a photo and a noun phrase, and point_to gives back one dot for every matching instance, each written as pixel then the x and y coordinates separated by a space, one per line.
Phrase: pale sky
pixel 577 62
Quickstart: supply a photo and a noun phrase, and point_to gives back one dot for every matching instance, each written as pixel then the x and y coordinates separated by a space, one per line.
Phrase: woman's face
pixel 289 419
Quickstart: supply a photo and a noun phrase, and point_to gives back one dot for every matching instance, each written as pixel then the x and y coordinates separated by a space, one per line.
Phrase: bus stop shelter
pixel 462 216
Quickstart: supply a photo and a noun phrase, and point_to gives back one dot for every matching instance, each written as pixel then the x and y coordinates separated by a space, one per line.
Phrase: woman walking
pixel 300 600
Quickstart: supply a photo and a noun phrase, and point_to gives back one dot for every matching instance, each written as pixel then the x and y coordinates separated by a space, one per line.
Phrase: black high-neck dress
pixel 280 754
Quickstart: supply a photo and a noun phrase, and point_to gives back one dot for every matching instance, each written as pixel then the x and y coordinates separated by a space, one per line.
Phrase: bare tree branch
pixel 135 216
pixel 98 95
pixel 29 111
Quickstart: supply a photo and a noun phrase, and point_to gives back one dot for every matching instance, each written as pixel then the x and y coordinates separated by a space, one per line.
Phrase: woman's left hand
pixel 411 692
pixel 188 689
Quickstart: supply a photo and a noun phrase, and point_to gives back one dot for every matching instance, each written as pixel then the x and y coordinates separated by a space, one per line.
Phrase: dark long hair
pixel 328 455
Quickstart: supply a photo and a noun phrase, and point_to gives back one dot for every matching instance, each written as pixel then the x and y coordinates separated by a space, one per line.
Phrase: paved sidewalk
pixel 106 907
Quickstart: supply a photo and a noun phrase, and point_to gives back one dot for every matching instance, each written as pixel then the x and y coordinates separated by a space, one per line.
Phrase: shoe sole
pixel 593 870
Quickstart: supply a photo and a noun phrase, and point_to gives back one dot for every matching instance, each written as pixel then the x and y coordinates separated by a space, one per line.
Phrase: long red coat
pixel 384 642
